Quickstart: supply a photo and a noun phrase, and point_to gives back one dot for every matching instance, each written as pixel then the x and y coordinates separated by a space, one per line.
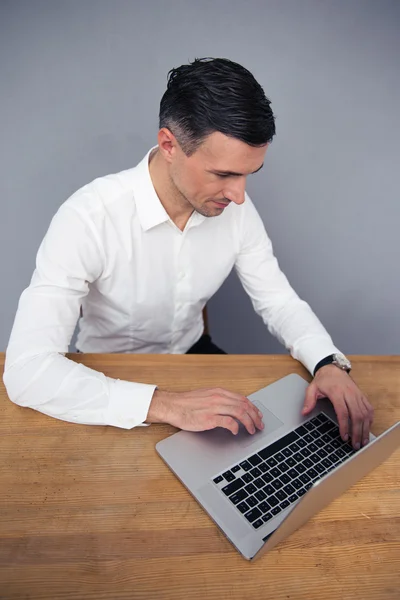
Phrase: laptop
pixel 260 488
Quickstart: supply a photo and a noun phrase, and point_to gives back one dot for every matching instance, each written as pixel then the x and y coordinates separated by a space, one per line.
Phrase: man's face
pixel 215 175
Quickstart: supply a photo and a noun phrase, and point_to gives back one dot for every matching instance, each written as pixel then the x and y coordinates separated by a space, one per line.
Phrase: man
pixel 141 252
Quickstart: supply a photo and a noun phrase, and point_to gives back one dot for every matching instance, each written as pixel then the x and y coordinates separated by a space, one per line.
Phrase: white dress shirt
pixel 142 284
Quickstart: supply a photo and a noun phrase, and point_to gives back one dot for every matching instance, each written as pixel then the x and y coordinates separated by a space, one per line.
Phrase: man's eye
pixel 223 175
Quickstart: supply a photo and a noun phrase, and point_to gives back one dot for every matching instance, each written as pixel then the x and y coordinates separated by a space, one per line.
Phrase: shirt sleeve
pixel 37 374
pixel 287 317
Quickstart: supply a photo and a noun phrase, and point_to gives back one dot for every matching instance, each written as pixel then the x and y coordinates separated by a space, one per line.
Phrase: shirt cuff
pixel 129 403
pixel 311 352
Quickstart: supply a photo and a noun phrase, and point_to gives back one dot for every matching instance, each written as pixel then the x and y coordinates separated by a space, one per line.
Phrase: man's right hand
pixel 204 409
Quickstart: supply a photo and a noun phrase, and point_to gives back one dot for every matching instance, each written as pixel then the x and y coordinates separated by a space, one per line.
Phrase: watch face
pixel 341 361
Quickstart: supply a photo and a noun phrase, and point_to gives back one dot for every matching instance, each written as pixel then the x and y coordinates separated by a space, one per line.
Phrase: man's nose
pixel 235 190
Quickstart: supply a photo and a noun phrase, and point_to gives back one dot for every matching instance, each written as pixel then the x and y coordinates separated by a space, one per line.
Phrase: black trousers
pixel 205 346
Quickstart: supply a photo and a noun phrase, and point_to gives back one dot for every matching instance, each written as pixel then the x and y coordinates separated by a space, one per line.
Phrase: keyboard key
pixel 273 501
pixel 238 496
pixel 233 487
pixel 263 467
pixel 267 517
pixel 267 477
pixel 308 438
pixel 315 434
pixel 304 478
pixel 319 442
pixel 277 484
pixel 300 442
pixel 293 498
pixel 269 490
pixel 246 466
pixel 284 466
pixel 218 479
pixel 313 447
pixel 321 453
pixel 289 489
pixel 235 469
pixel 340 452
pixel 305 452
pixel 285 504
pixel 327 462
pixel 308 485
pixel 300 431
pixel 243 507
pixel 294 447
pixel 301 492
pixel 271 462
pixel 276 510
pixel 300 468
pixel 316 421
pixel 254 460
pixel 313 473
pixel 326 438
pixel 258 523
pixel 259 483
pixel 322 417
pixel 348 449
pixel 281 495
pixel 228 476
pixel 326 426
pixel 278 445
pixel 315 458
pixel 251 501
pixel 255 472
pixel 260 495
pixel 336 443
pixel 319 468
pixel 264 507
pixel 250 488
pixel 253 514
pixel 247 477
pixel 297 484
pixel 298 457
pixel 287 452
pixel 279 457
pixel 275 472
pixel 329 448
pixel 285 478
pixel 309 426
pixel 292 474
pixel 308 463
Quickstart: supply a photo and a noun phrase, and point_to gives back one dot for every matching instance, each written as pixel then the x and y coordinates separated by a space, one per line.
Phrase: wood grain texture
pixel 93 512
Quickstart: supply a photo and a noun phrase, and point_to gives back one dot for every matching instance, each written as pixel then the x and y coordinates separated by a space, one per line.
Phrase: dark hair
pixel 215 94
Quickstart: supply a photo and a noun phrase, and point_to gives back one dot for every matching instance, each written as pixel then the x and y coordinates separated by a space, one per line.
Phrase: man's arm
pixel 292 321
pixel 37 374
pixel 287 317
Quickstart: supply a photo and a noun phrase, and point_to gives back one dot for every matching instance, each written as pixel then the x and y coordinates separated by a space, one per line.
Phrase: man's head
pixel 215 125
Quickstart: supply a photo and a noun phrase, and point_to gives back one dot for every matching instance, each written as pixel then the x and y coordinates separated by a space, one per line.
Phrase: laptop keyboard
pixel 265 483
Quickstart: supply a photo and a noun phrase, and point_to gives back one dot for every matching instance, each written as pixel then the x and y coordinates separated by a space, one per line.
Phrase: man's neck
pixel 172 200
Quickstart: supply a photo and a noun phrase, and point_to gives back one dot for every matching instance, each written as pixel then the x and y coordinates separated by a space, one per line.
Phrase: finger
pixel 342 414
pixel 368 415
pixel 310 399
pixel 225 422
pixel 241 414
pixel 228 398
pixel 357 420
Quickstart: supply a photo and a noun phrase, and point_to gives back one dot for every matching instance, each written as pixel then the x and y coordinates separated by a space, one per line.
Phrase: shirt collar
pixel 150 211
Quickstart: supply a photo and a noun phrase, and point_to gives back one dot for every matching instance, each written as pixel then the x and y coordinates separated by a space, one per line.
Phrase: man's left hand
pixel 351 406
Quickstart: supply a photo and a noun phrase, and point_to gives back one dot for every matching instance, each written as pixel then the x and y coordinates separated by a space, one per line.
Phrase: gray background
pixel 80 88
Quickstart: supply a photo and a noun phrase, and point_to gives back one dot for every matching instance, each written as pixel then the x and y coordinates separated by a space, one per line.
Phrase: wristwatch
pixel 339 360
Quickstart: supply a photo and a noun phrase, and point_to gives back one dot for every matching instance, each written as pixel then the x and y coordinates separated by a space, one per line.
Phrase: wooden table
pixel 93 512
